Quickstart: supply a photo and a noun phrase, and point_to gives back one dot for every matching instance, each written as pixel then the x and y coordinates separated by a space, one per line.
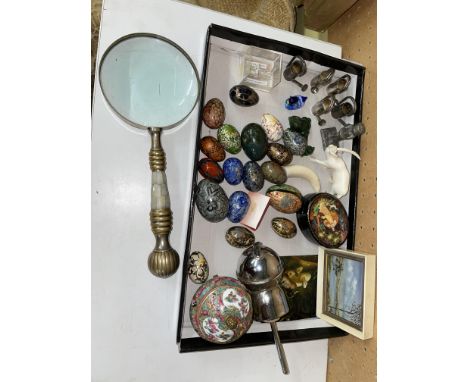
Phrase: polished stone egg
pixel 238 206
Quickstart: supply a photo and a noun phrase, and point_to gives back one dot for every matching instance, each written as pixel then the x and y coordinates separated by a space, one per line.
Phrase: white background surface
pixel 134 314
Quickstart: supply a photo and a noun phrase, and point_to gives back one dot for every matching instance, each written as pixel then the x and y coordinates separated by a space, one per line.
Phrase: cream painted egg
pixel 273 128
pixel 198 268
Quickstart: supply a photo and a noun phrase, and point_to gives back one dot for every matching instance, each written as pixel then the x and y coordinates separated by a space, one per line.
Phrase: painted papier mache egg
pixel 211 201
pixel 210 169
pixel 229 138
pixel 273 128
pixel 213 113
pixel 285 198
pixel 198 269
pixel 279 154
pixel 239 237
pixel 212 148
pixel 252 176
pixel 221 310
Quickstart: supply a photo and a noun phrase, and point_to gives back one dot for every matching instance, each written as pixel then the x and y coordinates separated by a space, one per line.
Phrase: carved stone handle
pixel 164 260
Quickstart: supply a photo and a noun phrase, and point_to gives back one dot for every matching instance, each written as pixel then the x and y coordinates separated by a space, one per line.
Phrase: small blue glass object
pixel 295 102
pixel 232 168
pixel 239 203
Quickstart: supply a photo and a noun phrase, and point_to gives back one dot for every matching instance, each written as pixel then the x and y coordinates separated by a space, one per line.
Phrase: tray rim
pixel 287 336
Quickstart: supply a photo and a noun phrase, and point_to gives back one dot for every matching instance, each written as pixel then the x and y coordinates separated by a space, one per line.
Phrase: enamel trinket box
pixel 221 310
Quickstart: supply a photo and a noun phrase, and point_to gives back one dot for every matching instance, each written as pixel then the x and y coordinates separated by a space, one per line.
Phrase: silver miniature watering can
pixel 260 269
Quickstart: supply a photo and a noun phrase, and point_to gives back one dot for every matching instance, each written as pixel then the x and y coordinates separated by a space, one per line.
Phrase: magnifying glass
pixel 152 84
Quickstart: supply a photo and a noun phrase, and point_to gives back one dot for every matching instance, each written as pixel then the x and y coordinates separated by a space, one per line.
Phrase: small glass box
pixel 260 68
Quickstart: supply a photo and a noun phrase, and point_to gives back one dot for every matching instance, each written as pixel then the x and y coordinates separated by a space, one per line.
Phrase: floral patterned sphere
pixel 221 310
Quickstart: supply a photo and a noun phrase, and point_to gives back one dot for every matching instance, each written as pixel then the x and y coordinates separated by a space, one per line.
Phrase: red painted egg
pixel 211 170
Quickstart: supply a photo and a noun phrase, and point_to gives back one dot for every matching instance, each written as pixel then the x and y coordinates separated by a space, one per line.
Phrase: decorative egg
pixel 279 154
pixel 252 176
pixel 209 169
pixel 284 227
pixel 213 113
pixel 221 310
pixel 198 269
pixel 295 102
pixel 254 141
pixel 243 95
pixel 239 237
pixel 285 198
pixel 233 168
pixel 238 206
pixel 211 201
pixel 273 128
pixel 323 220
pixel 229 138
pixel 274 173
pixel 212 148
pixel 294 142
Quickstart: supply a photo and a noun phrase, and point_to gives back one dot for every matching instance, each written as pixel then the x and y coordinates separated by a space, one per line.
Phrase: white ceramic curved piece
pixel 297 171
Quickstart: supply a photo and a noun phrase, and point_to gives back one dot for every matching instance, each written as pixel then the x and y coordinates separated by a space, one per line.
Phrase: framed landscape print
pixel 346 290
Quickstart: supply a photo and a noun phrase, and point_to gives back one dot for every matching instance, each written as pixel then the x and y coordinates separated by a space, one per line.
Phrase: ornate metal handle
pixel 163 261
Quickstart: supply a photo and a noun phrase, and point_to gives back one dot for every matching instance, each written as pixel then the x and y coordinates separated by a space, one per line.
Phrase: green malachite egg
pixel 229 138
pixel 254 141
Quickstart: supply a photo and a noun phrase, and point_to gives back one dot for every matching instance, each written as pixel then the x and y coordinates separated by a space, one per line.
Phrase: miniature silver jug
pixel 297 67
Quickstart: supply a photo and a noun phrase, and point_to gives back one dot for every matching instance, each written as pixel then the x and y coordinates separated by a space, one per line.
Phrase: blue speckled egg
pixel 252 176
pixel 232 168
pixel 239 203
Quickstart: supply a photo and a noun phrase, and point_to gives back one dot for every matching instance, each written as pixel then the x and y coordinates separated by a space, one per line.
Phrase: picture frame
pixel 346 290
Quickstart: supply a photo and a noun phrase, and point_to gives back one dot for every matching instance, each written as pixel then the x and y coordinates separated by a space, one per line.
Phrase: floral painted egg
pixel 274 173
pixel 238 206
pixel 229 138
pixel 221 310
pixel 212 148
pixel 285 198
pixel 213 113
pixel 254 141
pixel 233 168
pixel 273 128
pixel 239 237
pixel 243 95
pixel 211 201
pixel 198 269
pixel 279 154
pixel 252 176
pixel 209 169
pixel 295 102
pixel 295 142
pixel 284 227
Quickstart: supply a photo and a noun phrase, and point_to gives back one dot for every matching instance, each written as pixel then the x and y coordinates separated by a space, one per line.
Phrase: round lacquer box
pixel 221 310
pixel 323 220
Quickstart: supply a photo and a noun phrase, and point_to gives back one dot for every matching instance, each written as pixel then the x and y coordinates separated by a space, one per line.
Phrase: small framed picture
pixel 346 290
